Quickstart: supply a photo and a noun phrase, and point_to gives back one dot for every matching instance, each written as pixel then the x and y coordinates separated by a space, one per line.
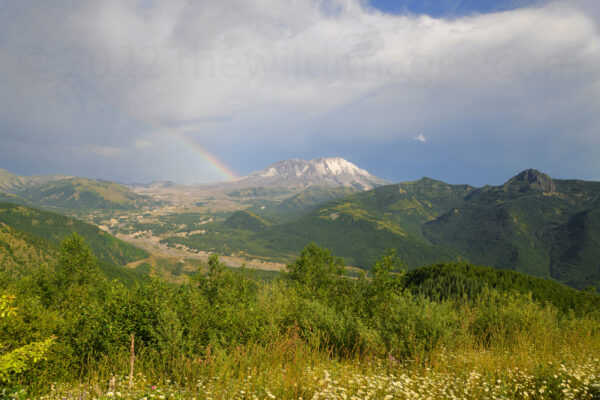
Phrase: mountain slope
pixel 362 226
pixel 52 228
pixel 245 220
pixel 80 193
pixel 313 196
pixel 576 249
pixel 19 251
pixel 13 198
pixel 299 174
pixel 10 182
pixel 531 224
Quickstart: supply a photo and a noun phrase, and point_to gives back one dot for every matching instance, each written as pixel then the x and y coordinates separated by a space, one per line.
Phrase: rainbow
pixel 218 164
pixel 213 160
pixel 181 138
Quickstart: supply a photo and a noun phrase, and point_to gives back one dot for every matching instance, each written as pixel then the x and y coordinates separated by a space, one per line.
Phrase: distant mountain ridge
pixel 10 182
pixel 82 193
pixel 300 174
pixel 532 223
pixel 65 192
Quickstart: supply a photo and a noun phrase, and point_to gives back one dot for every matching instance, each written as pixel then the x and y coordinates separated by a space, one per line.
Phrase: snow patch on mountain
pixel 334 171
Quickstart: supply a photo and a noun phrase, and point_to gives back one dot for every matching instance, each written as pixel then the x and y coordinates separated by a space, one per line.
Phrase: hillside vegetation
pixel 312 334
pixel 532 224
pixel 246 220
pixel 50 228
pixel 13 198
pixel 442 282
pixel 80 193
pixel 20 251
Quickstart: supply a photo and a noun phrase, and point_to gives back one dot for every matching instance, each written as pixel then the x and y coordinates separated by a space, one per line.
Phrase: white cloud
pixel 142 143
pixel 420 138
pixel 242 72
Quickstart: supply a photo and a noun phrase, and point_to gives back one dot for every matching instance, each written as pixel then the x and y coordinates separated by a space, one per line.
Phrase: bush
pixel 18 359
pixel 506 317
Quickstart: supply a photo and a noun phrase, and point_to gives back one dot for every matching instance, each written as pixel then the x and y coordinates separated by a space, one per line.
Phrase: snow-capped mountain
pixel 334 171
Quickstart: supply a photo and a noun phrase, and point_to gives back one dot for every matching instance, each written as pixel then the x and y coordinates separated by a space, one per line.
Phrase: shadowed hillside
pixel 52 228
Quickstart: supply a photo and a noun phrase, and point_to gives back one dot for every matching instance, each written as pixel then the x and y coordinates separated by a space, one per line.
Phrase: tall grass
pixel 288 368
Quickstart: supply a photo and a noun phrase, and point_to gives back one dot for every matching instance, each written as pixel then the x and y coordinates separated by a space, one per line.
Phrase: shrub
pixel 21 358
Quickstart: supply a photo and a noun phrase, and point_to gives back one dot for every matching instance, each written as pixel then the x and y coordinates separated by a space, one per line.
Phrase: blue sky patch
pixel 449 8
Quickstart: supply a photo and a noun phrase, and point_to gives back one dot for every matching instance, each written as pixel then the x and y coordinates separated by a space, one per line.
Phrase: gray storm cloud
pixel 119 79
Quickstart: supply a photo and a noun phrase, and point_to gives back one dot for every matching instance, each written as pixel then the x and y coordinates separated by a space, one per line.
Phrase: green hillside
pixel 312 196
pixel 80 193
pixel 20 252
pixel 13 198
pixel 362 226
pixel 359 227
pixel 359 240
pixel 531 224
pixel 297 204
pixel 52 228
pixel 465 281
pixel 246 220
pixel 24 255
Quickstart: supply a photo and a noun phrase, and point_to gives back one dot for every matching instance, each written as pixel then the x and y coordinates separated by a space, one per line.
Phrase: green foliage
pixel 52 228
pixel 19 359
pixel 6 308
pixel 77 265
pixel 387 274
pixel 460 280
pixel 13 198
pixel 21 252
pixel 387 314
pixel 316 269
pixel 499 317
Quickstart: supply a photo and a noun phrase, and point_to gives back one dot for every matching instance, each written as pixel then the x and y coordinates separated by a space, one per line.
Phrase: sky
pixel 142 90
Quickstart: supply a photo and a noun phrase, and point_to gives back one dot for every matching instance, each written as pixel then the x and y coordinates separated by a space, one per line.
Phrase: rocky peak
pixel 530 180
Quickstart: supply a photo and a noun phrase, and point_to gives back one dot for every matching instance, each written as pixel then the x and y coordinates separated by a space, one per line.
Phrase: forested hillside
pixel 532 224
pixel 51 228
